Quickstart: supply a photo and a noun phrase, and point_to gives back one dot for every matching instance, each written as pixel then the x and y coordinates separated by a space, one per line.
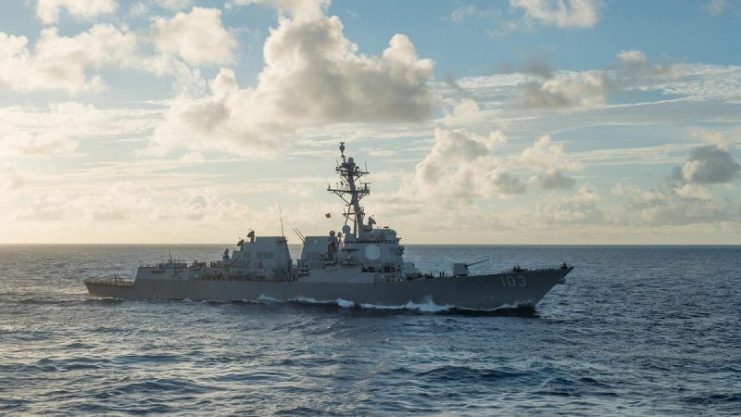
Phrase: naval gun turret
pixel 461 269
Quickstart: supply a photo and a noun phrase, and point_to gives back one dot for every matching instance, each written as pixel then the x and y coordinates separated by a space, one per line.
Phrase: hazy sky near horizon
pixel 511 121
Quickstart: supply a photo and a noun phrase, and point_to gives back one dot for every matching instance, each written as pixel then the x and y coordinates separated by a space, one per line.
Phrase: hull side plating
pixel 483 292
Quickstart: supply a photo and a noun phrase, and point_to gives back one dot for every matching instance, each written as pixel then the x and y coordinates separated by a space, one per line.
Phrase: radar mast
pixel 351 190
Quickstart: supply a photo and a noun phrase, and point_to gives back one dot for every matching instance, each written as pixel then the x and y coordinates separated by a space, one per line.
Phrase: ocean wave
pixel 170 385
pixel 714 398
pixel 468 374
pixel 264 299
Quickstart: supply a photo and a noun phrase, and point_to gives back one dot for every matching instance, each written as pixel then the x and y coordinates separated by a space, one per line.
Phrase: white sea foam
pixel 427 307
pixel 345 303
pixel 267 300
pixel 341 302
pixel 309 300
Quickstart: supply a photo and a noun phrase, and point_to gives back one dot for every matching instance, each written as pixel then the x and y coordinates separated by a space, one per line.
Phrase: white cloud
pixel 547 159
pixel 460 167
pixel 577 208
pixel 696 191
pixel 705 82
pixel 585 89
pixel 675 206
pixel 632 57
pixel 60 62
pixel 552 180
pixel 560 13
pixel 312 75
pixel 48 10
pixel 45 207
pixel 55 130
pixel 464 113
pixel 18 143
pixel 635 69
pixel 554 213
pixel 541 87
pixel 546 155
pixel 124 201
pixel 198 37
pixel 710 164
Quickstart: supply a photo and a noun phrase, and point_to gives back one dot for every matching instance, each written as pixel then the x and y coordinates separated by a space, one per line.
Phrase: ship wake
pixel 429 307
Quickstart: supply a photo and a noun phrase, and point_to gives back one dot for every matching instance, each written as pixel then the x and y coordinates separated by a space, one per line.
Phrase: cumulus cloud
pixel 547 159
pixel 48 10
pixel 465 112
pixel 546 88
pixel 60 62
pixel 560 13
pixel 674 206
pixel 555 212
pixel 687 197
pixel 74 63
pixel 546 155
pixel 564 90
pixel 577 208
pixel 463 166
pixel 709 164
pixel 460 166
pixel 313 74
pixel 634 68
pixel 552 180
pixel 198 37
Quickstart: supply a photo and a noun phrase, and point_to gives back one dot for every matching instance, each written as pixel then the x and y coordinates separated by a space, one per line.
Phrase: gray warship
pixel 361 265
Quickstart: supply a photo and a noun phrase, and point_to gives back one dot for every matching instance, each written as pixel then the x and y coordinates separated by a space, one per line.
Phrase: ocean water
pixel 633 331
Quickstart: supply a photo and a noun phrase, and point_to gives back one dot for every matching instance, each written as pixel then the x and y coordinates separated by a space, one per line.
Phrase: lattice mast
pixel 351 190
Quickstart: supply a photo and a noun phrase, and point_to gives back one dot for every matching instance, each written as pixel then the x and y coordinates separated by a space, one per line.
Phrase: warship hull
pixel 480 292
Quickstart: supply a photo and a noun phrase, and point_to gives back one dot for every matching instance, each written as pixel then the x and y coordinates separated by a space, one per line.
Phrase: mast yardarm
pixel 351 190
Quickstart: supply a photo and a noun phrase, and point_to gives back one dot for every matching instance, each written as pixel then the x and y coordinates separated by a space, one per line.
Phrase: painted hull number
pixel 513 281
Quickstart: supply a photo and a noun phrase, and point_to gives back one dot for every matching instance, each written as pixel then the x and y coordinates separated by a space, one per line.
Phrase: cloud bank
pixel 312 75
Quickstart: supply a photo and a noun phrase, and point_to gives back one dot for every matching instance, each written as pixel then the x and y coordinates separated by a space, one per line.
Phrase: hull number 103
pixel 513 281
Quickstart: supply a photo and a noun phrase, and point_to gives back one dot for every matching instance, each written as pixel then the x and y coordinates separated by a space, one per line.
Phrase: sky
pixel 481 122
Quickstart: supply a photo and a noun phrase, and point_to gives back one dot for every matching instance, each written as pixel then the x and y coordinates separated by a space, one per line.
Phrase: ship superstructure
pixel 362 263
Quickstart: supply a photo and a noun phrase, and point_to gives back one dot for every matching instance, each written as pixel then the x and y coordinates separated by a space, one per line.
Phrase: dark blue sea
pixel 634 331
